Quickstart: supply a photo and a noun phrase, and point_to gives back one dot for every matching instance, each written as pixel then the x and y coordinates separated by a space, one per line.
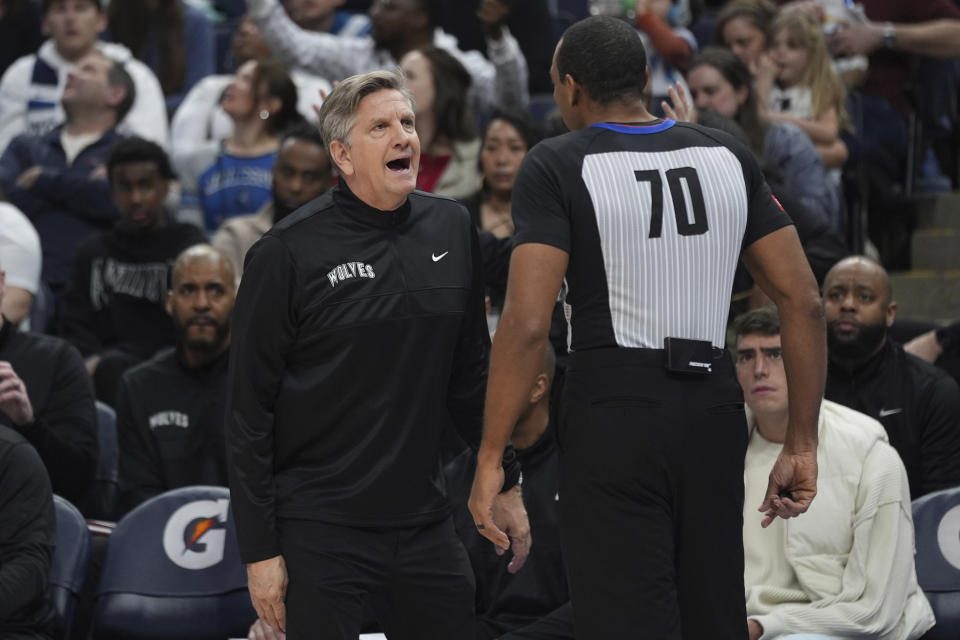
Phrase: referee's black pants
pixel 416 582
pixel 651 498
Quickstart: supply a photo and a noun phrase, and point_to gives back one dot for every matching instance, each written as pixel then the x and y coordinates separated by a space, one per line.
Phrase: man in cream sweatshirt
pixel 846 568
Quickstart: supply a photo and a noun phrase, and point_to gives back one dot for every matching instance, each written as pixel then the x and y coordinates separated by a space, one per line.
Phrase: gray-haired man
pixel 360 336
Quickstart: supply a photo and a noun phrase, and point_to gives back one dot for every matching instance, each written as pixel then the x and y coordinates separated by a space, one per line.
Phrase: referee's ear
pixel 340 154
pixel 574 90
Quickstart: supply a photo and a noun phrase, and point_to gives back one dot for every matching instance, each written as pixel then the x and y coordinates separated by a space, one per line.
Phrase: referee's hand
pixel 491 508
pixel 792 485
pixel 267 583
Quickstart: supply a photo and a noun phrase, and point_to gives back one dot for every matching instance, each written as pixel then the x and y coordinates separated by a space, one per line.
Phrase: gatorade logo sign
pixel 948 536
pixel 195 534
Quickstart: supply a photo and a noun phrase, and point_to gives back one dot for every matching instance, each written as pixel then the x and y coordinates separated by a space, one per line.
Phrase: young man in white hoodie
pixel 31 88
pixel 846 569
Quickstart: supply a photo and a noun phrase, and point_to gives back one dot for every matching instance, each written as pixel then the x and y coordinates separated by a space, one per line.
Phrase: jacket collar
pixel 6 331
pixel 868 369
pixel 360 210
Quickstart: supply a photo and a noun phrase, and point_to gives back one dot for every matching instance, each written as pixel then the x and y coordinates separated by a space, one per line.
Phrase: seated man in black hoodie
pixel 170 409
pixel 28 530
pixel 505 598
pixel 46 396
pixel 113 308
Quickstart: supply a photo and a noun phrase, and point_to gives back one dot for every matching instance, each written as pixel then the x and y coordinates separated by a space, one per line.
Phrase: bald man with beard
pixel 918 404
pixel 170 409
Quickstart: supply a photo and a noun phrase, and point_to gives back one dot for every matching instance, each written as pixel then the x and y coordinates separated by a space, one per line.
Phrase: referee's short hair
pixel 606 57
pixel 339 111
pixel 764 321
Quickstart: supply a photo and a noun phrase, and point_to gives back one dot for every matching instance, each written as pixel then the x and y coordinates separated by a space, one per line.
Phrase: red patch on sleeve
pixel 778 202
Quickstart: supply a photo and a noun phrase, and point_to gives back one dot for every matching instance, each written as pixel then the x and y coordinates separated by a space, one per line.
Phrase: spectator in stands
pixel 172 37
pixel 445 123
pixel 532 23
pixel 28 534
pixel 20 33
pixel 895 29
pixel 720 81
pixel 399 26
pixel 31 88
pixel 20 249
pixel 233 178
pixel 323 16
pixel 46 395
pixel 918 404
pixel 170 410
pixel 802 87
pixel 509 135
pixel 846 568
pixel 113 306
pixel 743 26
pixel 201 118
pixel 58 179
pixel 893 34
pixel 669 46
pixel 303 171
pixel 505 142
pixel 941 347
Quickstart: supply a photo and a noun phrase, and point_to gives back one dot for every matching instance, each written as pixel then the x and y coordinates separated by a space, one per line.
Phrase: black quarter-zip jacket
pixel 359 336
pixel 170 426
pixel 917 404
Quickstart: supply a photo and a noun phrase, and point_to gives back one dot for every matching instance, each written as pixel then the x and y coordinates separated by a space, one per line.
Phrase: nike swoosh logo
pixel 438 258
pixel 889 412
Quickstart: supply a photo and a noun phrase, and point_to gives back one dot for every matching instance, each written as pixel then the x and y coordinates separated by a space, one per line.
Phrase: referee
pixel 643 221
pixel 359 337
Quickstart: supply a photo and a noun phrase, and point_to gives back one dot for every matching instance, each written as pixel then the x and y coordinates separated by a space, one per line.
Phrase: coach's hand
pixel 510 514
pixel 262 631
pixel 792 485
pixel 267 583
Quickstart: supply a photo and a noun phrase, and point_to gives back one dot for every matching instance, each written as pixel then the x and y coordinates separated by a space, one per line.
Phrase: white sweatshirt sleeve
pixel 323 54
pixel 13 100
pixel 192 125
pixel 148 115
pixel 879 577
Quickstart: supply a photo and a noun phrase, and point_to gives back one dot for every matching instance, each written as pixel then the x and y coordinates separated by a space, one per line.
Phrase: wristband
pixel 889 35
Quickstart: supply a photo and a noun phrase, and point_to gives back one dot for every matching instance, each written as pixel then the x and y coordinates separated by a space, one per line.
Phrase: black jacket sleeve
pixel 65 429
pixel 79 316
pixel 949 338
pixel 264 327
pixel 141 475
pixel 468 379
pixel 27 530
pixel 940 440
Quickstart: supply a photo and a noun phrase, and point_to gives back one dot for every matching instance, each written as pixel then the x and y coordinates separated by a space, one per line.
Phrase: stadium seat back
pixel 100 500
pixel 173 571
pixel 70 561
pixel 936 520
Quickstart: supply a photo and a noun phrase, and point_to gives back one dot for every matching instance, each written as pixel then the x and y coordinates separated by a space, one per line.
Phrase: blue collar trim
pixel 636 128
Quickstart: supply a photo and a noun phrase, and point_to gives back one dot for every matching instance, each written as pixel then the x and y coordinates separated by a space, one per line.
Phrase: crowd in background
pixel 132 131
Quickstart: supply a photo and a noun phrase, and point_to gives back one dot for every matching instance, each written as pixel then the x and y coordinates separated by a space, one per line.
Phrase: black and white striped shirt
pixel 654 218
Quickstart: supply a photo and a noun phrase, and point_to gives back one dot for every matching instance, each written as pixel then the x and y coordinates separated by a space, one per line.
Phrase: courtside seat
pixel 936 520
pixel 70 561
pixel 173 571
